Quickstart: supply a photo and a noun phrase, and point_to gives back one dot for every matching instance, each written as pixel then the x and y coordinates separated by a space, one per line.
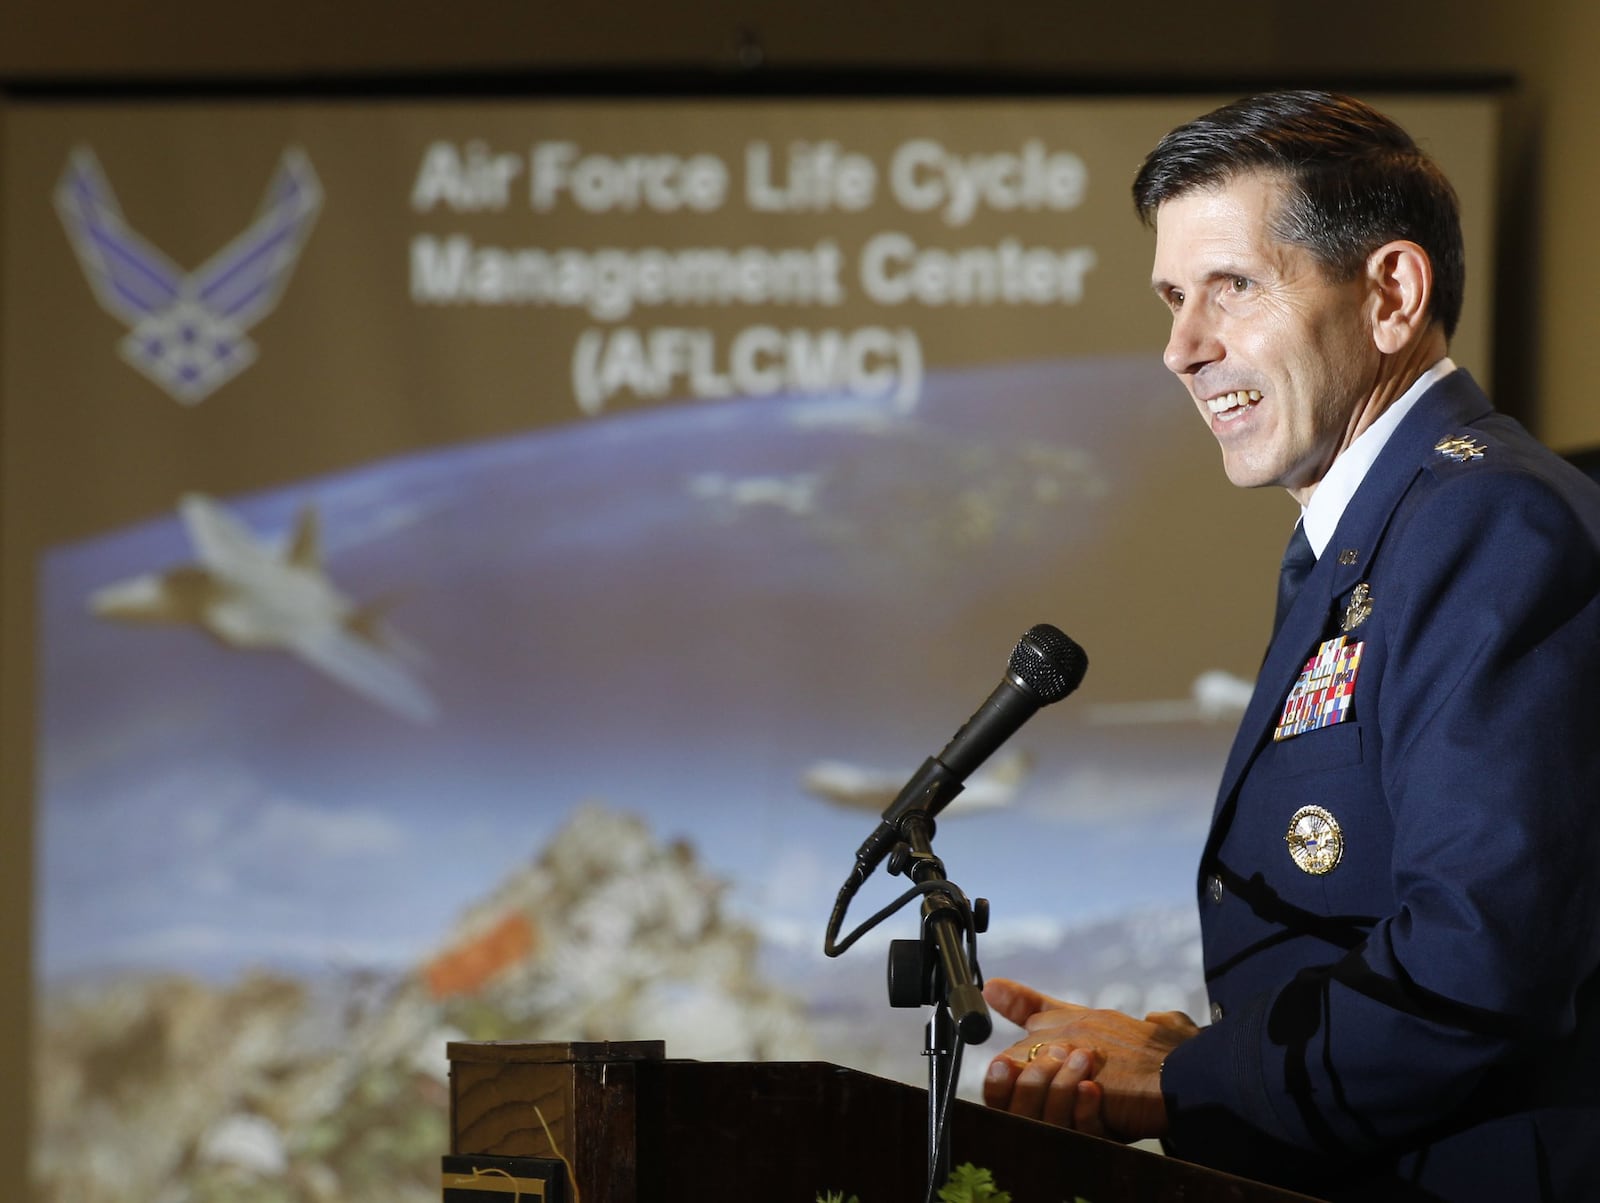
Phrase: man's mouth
pixel 1229 406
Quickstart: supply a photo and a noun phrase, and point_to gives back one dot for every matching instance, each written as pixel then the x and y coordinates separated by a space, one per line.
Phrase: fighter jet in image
pixel 858 788
pixel 252 595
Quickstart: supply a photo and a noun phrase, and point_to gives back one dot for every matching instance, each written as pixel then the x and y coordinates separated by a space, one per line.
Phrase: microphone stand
pixel 936 970
pixel 1045 667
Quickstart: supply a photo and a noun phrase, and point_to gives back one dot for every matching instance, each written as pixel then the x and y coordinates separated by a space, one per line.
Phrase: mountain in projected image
pixel 275 1087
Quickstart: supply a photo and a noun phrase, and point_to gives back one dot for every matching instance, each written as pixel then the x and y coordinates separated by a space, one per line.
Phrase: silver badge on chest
pixel 1359 609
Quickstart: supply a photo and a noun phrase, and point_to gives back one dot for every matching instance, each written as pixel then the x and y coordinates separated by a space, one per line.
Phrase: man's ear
pixel 1401 276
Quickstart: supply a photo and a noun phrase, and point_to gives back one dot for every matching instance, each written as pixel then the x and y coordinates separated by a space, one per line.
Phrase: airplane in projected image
pixel 252 595
pixel 1214 696
pixel 858 788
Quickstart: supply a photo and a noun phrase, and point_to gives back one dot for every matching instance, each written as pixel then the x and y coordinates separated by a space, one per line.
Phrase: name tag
pixel 1321 695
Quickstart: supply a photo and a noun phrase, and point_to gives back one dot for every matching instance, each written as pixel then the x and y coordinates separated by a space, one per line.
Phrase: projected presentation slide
pixel 487 565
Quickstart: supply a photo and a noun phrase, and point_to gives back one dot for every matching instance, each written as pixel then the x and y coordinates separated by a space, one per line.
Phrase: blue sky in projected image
pixel 675 612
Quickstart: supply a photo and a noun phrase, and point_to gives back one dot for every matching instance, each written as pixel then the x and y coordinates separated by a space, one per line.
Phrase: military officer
pixel 1399 895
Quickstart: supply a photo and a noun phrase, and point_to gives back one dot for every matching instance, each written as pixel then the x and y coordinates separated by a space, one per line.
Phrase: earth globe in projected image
pixel 661 673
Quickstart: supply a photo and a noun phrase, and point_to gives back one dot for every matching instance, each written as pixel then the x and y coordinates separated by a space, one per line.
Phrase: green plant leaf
pixel 969 1184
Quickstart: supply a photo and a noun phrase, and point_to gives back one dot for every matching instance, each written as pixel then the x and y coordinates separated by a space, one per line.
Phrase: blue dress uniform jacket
pixel 1422 1020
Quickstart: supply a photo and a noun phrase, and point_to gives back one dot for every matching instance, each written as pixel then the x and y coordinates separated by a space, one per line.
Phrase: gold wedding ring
pixel 1034 1051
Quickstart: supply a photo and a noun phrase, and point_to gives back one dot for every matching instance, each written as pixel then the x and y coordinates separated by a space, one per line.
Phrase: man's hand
pixel 1095 1071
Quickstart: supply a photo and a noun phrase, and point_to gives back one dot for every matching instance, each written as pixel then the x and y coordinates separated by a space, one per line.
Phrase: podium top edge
pixel 555 1051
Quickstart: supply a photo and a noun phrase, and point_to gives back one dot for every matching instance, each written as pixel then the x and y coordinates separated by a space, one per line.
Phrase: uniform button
pixel 1216 1012
pixel 1214 887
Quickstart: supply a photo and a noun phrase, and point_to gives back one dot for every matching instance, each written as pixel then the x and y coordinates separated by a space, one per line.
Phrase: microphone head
pixel 1048 663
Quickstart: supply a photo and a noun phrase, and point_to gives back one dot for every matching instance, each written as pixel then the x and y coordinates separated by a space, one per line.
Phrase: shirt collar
pixel 1333 493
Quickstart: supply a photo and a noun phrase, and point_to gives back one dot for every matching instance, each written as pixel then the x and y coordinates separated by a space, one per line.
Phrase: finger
pixel 1061 1100
pixel 999 1082
pixel 1169 1019
pixel 1031 1092
pixel 1016 1001
pixel 1088 1109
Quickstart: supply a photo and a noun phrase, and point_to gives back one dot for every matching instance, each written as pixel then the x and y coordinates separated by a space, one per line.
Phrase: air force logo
pixel 188 329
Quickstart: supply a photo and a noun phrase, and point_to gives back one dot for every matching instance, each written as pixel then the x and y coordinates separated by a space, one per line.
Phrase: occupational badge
pixel 1322 693
pixel 1359 609
pixel 1460 447
pixel 1315 841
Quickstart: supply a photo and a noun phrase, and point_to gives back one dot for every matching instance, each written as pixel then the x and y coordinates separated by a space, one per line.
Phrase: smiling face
pixel 1280 360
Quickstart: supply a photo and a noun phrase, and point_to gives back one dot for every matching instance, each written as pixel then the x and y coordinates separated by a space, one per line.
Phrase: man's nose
pixel 1193 342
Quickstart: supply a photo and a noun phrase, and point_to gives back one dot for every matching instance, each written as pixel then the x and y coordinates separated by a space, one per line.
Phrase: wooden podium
pixel 639 1128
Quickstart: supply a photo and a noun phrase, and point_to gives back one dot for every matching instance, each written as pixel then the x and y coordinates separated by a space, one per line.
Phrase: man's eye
pixel 1239 284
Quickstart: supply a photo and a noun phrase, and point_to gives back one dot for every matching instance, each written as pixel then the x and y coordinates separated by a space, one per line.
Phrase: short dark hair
pixel 1355 180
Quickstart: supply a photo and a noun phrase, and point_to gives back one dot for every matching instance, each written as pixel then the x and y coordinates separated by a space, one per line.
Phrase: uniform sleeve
pixel 1489 728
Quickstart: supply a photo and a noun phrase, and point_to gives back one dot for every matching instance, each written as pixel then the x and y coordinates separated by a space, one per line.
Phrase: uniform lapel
pixel 1451 403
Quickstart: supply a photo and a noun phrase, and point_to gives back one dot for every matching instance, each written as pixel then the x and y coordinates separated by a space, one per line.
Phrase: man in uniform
pixel 1400 892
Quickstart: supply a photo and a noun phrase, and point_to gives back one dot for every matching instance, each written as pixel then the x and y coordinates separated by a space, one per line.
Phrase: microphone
pixel 1045 667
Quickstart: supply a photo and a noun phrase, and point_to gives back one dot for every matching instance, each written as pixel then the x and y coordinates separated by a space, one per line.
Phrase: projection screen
pixel 477 568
